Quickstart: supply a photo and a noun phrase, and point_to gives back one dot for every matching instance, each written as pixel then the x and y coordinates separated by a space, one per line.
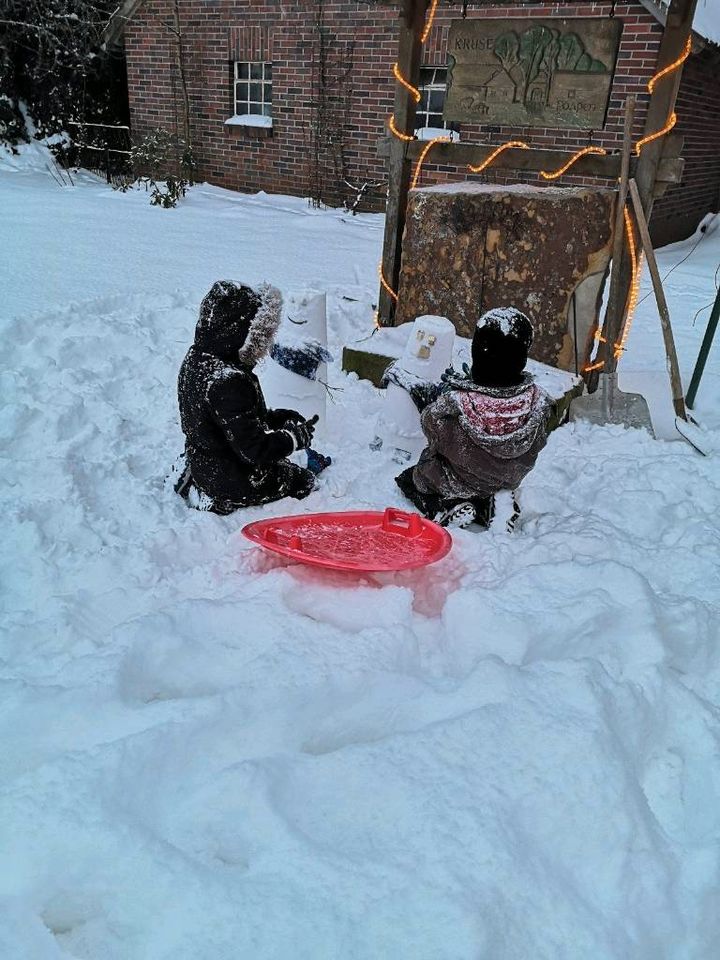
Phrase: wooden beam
pixel 461 154
pixel 412 21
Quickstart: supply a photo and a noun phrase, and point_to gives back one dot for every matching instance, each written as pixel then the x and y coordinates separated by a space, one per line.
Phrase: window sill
pixel 249 125
pixel 249 120
pixel 430 133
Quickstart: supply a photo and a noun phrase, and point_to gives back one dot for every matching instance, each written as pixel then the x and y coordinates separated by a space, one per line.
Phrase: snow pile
pixel 210 753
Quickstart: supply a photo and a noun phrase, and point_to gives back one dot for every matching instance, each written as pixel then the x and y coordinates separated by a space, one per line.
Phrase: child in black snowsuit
pixel 484 431
pixel 235 448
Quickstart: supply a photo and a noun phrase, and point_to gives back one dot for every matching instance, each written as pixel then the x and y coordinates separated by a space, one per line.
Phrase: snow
pixel 248 120
pixel 473 186
pixel 431 133
pixel 209 752
pixel 706 21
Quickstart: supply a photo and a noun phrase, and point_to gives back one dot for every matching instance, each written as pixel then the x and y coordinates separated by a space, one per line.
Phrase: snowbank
pixel 209 753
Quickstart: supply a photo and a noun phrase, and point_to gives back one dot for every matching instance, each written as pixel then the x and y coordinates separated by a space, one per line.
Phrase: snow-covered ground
pixel 211 754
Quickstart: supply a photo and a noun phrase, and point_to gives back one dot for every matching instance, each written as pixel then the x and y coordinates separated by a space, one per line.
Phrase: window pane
pixel 256 91
pixel 255 108
pixel 434 120
pixel 426 75
pixel 440 76
pixel 242 70
pixel 256 71
pixel 267 110
pixel 423 105
pixel 267 92
pixel 268 71
pixel 437 101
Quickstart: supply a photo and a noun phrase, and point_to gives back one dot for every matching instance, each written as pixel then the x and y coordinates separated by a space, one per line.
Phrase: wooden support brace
pixel 663 310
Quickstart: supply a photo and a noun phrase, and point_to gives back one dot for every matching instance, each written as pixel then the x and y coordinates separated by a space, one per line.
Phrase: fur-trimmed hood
pixel 238 324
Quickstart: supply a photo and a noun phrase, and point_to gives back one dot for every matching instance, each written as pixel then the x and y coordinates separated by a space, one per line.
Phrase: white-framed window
pixel 253 89
pixel 429 113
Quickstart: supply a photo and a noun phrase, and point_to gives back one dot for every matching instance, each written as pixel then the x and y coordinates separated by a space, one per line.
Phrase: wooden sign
pixel 531 73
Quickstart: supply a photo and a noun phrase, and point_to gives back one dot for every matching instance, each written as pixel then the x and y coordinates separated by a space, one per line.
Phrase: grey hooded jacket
pixel 481 439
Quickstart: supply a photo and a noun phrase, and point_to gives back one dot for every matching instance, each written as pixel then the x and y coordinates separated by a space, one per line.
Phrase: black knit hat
pixel 500 347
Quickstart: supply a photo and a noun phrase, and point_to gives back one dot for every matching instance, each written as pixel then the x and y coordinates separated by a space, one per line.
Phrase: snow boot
pixel 460 515
pixel 507 511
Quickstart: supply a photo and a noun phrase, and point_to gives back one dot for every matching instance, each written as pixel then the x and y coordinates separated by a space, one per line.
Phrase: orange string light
pixel 517 144
pixel 386 286
pixel 671 67
pixel 635 268
pixel 575 157
pixel 635 265
pixel 429 22
pixel 396 133
pixel 421 159
pixel 408 86
pixel 672 120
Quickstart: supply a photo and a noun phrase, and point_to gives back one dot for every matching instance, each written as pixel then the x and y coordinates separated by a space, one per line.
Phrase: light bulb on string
pixel 405 83
pixel 429 22
pixel 553 175
pixel 421 159
pixel 510 145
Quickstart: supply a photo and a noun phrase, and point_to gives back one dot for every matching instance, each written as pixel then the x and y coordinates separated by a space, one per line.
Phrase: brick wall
pixel 364 36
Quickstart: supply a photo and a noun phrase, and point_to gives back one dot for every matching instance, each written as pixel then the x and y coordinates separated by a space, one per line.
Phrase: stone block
pixel 469 247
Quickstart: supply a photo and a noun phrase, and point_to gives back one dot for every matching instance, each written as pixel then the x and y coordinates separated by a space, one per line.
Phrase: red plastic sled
pixel 364 540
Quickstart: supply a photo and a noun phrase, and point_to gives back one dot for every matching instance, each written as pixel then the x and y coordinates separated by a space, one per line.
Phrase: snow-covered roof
pixel 706 23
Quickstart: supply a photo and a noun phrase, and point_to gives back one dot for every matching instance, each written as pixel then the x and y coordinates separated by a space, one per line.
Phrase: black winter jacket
pixel 233 442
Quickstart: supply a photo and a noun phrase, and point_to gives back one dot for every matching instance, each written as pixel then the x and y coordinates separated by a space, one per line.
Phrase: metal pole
pixel 704 351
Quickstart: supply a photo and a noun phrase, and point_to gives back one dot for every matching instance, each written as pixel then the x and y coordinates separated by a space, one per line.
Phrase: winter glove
pixel 276 419
pixel 422 392
pixel 301 433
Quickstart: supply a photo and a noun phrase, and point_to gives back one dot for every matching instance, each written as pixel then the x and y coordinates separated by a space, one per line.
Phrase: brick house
pixel 293 97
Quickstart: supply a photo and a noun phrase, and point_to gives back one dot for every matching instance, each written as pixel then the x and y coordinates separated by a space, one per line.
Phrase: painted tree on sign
pixel 538 52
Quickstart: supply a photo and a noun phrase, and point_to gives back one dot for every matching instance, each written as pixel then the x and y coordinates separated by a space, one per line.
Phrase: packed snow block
pixel 470 247
pixel 427 354
pixel 295 375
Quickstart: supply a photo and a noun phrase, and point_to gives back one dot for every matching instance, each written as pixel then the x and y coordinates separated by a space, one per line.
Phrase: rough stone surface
pixel 469 247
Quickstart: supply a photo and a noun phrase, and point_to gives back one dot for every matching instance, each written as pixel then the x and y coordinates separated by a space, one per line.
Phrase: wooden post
pixel 400 165
pixel 669 340
pixel 678 26
pixel 616 301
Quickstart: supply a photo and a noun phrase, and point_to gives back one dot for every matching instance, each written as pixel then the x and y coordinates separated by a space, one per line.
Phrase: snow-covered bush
pixel 160 156
pixel 53 59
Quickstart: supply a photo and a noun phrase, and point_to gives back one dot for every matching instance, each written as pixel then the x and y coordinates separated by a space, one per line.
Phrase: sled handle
pixel 398 521
pixel 282 538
